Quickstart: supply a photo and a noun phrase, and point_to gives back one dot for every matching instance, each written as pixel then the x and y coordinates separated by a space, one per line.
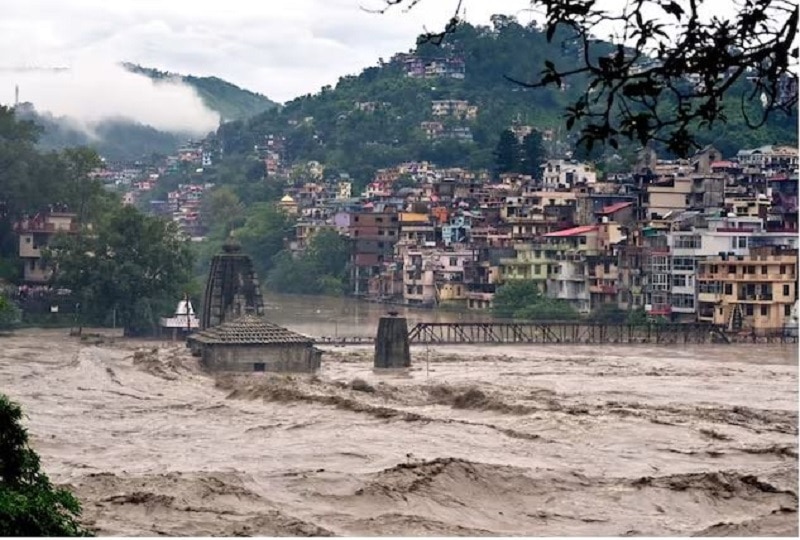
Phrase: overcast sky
pixel 281 48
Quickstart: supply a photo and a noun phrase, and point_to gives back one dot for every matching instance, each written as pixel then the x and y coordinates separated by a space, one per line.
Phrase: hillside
pixel 116 139
pixel 385 114
pixel 230 101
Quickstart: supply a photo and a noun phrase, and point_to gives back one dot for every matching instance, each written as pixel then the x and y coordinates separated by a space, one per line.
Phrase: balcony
pixel 710 297
pixel 603 289
pixel 755 298
pixel 762 278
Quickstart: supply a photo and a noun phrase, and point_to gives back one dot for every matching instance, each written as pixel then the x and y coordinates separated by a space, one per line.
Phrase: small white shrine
pixel 182 321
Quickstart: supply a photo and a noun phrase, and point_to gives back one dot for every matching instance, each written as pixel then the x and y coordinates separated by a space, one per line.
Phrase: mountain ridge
pixel 230 101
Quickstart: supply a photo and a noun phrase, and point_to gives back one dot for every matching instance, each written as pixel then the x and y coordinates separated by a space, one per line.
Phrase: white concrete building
pixel 562 174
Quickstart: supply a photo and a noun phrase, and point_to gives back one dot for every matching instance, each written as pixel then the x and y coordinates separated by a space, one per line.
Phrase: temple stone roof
pixel 249 330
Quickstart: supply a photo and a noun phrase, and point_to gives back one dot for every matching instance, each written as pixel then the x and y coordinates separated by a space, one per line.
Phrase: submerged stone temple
pixel 234 335
pixel 232 288
pixel 251 343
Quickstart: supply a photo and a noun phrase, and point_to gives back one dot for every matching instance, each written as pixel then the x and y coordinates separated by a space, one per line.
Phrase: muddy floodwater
pixel 508 440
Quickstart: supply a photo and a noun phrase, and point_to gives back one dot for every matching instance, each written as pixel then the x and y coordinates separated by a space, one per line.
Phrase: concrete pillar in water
pixel 391 344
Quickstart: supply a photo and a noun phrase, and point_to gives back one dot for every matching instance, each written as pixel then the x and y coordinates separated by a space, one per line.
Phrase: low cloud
pixel 89 92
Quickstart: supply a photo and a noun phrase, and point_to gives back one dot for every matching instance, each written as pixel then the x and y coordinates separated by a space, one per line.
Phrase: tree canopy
pixel 9 313
pixel 136 265
pixel 523 300
pixel 320 269
pixel 29 504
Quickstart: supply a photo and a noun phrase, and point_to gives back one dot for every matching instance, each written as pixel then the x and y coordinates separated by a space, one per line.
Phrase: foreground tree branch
pixel 667 50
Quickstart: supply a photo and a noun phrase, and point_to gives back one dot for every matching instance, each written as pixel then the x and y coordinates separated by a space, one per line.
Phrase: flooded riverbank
pixel 513 440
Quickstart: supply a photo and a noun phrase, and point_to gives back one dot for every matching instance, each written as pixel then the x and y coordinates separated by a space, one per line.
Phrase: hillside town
pixel 708 239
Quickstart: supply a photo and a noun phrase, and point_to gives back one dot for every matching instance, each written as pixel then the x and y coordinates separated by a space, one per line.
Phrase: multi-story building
pixel 561 174
pixel 373 235
pixel 35 234
pixel 756 291
pixel 432 276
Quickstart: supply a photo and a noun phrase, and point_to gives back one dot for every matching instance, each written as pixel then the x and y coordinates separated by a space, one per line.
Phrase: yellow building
pixel 288 205
pixel 532 262
pixel 753 292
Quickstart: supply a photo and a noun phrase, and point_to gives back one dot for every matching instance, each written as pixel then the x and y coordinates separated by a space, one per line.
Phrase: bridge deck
pixel 570 333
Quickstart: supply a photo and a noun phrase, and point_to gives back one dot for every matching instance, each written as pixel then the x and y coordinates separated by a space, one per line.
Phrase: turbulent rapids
pixel 529 440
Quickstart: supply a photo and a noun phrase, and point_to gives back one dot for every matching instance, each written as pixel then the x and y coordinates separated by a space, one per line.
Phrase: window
pixel 259 366
pixel 683 263
pixel 787 310
pixel 786 290
pixel 355 219
pixel 453 261
pixel 379 220
pixel 728 288
pixel 537 269
pixel 764 269
pixel 748 310
pixel 688 242
pixel 683 301
pixel 783 269
pixel 764 311
pixel 679 280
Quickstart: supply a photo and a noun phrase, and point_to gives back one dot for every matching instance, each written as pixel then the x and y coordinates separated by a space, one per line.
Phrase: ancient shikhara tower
pixel 232 288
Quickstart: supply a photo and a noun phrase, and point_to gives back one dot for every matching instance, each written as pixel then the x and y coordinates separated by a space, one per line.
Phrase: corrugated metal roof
pixel 610 209
pixel 573 231
pixel 249 330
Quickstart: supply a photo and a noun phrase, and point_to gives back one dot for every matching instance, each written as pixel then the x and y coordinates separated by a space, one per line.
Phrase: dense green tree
pixel 9 313
pixel 523 300
pixel 29 504
pixel 134 265
pixel 533 154
pixel 608 314
pixel 264 234
pixel 320 269
pixel 223 208
pixel 507 153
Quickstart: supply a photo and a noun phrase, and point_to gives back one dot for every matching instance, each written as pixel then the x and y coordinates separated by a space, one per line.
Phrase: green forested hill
pixel 329 127
pixel 230 101
pixel 117 139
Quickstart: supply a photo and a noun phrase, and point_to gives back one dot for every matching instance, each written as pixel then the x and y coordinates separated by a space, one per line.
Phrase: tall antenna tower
pixel 16 95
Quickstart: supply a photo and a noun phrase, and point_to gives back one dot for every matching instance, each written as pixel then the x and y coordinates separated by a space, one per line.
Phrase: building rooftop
pixel 575 231
pixel 616 207
pixel 249 330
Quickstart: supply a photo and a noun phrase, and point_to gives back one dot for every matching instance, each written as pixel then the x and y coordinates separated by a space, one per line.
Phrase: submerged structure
pixel 232 289
pixel 251 343
pixel 234 335
pixel 183 321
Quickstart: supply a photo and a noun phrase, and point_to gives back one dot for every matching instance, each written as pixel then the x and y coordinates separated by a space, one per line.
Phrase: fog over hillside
pixel 90 92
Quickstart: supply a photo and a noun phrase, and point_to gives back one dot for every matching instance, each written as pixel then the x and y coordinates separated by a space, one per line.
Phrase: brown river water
pixel 503 440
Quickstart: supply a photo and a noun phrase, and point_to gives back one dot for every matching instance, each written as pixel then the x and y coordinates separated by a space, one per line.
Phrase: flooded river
pixel 326 316
pixel 510 440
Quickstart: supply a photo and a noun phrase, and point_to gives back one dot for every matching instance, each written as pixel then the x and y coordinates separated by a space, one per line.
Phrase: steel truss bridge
pixel 569 333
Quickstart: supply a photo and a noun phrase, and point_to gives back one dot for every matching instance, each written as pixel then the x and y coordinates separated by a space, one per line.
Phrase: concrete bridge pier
pixel 391 344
